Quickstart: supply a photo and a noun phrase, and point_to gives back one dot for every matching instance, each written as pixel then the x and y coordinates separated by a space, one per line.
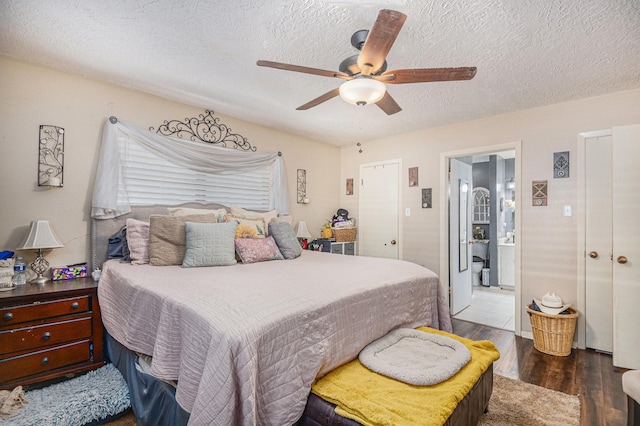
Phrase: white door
pixel 598 241
pixel 460 253
pixel 379 206
pixel 626 246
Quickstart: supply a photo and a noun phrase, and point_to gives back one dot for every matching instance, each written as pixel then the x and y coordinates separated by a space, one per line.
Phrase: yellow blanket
pixel 373 399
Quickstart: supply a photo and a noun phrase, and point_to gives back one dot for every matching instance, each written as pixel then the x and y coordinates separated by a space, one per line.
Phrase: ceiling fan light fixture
pixel 362 91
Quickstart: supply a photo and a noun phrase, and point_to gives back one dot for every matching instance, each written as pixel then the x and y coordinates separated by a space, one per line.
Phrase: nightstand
pixel 48 331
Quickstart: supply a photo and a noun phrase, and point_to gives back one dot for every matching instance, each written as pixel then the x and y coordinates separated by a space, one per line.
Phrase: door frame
pixel 581 277
pixel 444 216
pixel 397 161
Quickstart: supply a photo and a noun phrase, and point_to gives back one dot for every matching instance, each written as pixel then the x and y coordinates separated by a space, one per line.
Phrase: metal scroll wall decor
pixel 50 156
pixel 204 128
pixel 301 187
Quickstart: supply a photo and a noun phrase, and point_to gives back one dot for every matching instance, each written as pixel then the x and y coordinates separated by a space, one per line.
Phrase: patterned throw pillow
pixel 248 227
pixel 209 244
pixel 286 239
pixel 257 250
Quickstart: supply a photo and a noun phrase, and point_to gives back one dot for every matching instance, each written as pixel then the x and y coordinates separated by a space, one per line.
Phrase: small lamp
pixel 303 234
pixel 40 237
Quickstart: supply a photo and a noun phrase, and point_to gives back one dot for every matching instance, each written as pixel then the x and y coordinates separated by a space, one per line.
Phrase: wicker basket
pixel 344 234
pixel 553 334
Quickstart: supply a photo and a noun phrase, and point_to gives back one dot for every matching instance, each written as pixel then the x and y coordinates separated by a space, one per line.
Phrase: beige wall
pixel 32 96
pixel 548 240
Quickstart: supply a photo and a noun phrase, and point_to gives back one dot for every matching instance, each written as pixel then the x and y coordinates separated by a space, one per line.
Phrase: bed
pixel 245 342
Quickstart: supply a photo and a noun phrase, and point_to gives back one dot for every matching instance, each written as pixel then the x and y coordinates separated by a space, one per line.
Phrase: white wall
pixel 548 240
pixel 33 95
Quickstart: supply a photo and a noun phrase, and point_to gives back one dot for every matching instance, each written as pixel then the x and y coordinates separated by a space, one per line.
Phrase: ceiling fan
pixel 366 73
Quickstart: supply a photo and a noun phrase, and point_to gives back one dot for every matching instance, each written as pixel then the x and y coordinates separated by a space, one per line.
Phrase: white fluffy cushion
pixel 209 244
pixel 415 356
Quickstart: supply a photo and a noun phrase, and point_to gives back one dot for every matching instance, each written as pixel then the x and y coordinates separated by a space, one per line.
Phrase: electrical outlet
pixel 407 211
pixel 567 210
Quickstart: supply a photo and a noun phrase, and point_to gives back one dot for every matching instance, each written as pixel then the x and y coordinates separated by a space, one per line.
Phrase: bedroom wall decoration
pixel 205 128
pixel 539 192
pixel 51 156
pixel 350 186
pixel 426 198
pixel 301 187
pixel 561 164
pixel 413 176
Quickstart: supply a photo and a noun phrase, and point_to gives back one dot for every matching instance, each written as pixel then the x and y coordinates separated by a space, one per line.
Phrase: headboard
pixel 102 229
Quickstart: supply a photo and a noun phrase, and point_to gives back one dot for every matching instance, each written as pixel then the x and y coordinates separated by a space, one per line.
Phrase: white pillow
pixel 187 211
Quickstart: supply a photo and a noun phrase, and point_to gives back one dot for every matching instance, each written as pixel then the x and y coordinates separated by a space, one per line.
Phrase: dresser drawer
pixel 41 310
pixel 53 333
pixel 45 360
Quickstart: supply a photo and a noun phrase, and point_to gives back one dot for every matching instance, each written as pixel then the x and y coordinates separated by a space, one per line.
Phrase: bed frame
pixel 318 412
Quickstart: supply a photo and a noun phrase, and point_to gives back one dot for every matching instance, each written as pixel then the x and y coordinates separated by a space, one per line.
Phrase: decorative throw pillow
pixel 286 239
pixel 167 237
pixel 253 250
pixel 248 228
pixel 138 241
pixel 117 241
pixel 209 244
pixel 187 211
pixel 267 216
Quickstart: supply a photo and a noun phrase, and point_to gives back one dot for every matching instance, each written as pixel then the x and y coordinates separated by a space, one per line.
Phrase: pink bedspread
pixel 245 342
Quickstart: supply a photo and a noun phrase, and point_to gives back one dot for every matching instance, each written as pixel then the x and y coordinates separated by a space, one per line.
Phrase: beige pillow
pixel 167 237
pixel 187 211
pixel 267 216
pixel 248 227
pixel 285 218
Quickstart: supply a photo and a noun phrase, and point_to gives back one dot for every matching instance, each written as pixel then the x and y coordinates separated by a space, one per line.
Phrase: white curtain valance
pixel 196 156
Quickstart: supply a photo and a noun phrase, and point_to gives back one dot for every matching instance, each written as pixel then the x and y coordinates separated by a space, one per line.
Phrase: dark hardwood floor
pixel 586 373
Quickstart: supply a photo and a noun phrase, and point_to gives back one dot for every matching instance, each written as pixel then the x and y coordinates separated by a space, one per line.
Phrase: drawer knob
pixel 46 336
pixel 8 316
pixel 45 361
pixel 75 305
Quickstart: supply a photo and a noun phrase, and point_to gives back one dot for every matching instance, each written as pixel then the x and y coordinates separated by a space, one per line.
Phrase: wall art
pixel 350 186
pixel 561 164
pixel 413 176
pixel 539 192
pixel 426 198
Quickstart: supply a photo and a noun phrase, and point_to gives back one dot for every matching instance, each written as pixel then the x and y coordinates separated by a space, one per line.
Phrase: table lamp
pixel 303 234
pixel 40 237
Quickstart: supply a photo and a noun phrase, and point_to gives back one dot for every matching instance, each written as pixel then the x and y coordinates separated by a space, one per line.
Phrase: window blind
pixel 150 179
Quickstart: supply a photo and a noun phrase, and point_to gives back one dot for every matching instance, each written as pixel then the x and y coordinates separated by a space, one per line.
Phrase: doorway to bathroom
pixel 492 237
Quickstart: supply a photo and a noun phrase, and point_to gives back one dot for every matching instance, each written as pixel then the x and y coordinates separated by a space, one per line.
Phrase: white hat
pixel 551 304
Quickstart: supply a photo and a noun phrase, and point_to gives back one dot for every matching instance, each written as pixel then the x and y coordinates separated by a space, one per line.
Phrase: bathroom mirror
pixel 463 218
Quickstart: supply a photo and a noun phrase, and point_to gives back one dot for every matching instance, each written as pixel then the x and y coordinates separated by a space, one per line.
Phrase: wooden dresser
pixel 48 331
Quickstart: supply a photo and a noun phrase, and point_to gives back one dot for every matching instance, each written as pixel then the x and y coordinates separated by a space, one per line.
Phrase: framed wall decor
pixel 561 164
pixel 350 186
pixel 413 176
pixel 539 192
pixel 426 198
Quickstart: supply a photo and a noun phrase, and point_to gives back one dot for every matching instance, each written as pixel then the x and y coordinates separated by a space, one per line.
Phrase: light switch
pixel 407 211
pixel 567 210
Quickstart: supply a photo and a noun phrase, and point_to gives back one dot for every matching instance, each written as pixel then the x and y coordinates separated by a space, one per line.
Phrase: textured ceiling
pixel 528 53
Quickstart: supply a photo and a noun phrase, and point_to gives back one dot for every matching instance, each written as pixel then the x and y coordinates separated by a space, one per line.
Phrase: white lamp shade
pixel 40 236
pixel 303 232
pixel 362 91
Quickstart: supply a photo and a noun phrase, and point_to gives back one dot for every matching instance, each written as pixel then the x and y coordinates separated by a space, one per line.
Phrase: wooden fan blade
pixel 299 68
pixel 388 104
pixel 426 75
pixel 379 41
pixel 320 99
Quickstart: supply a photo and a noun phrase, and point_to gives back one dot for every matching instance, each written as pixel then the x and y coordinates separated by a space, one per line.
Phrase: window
pixel 481 205
pixel 150 179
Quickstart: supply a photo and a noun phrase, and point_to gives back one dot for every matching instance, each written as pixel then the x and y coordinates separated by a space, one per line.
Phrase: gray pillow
pixel 286 239
pixel 209 244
